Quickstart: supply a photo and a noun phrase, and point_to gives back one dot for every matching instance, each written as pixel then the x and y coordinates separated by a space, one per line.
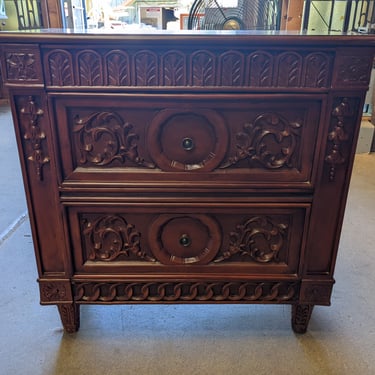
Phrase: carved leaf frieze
pixel 261 238
pixel 270 139
pixel 174 72
pixel 231 73
pixel 146 67
pixel 289 69
pixel 90 68
pixel 317 70
pixel 61 68
pixel 175 68
pixel 104 137
pixel 31 114
pixel 203 69
pixel 260 69
pixel 185 291
pixel 118 68
pixel 110 237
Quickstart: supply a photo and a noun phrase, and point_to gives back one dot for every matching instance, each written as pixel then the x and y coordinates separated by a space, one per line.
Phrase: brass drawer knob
pixel 187 144
pixel 185 240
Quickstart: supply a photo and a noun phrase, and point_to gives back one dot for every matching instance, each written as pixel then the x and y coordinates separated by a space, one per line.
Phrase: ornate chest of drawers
pixel 186 168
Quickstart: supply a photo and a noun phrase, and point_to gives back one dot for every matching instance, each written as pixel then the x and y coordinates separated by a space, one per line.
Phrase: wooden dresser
pixel 186 168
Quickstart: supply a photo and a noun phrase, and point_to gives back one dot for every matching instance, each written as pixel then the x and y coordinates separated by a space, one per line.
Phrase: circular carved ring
pixel 190 140
pixel 184 239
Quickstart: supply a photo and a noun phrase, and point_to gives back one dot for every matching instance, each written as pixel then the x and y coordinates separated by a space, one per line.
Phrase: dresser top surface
pixel 188 36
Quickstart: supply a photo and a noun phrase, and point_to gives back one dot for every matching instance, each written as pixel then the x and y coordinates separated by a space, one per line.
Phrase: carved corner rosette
pixel 55 291
pixel 188 291
pixel 111 237
pixel 22 66
pixel 270 140
pixel 31 114
pixel 103 137
pixel 259 238
pixel 338 135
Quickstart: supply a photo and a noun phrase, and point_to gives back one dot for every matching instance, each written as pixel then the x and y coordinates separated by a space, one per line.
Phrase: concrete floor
pixel 199 339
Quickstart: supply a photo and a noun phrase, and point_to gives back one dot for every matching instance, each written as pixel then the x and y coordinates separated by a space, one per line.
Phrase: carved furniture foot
pixel 301 315
pixel 69 314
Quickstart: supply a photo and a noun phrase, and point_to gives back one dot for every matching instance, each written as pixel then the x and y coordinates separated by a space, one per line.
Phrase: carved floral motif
pixel 260 140
pixel 155 291
pixel 117 68
pixel 259 238
pixel 338 136
pixel 317 70
pixel 34 134
pixel 203 68
pixel 104 137
pixel 110 237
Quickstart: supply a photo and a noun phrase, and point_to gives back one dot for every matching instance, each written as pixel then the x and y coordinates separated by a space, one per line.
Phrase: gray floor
pixel 199 339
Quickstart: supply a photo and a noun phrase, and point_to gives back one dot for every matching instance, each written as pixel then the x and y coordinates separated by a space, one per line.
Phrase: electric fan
pixel 234 15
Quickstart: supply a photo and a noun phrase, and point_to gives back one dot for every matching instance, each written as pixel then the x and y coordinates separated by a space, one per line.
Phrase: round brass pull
pixel 185 240
pixel 187 144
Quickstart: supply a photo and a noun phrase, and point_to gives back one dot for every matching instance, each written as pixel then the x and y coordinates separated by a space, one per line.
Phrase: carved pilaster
pixel 31 114
pixel 338 135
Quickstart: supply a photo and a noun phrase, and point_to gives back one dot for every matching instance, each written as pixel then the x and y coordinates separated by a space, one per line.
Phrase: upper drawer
pixel 205 141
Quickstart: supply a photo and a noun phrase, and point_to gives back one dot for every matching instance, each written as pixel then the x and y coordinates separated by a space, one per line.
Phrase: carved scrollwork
pixel 104 137
pixel 259 238
pixel 34 135
pixel 260 139
pixel 21 66
pixel 338 136
pixel 155 291
pixel 110 237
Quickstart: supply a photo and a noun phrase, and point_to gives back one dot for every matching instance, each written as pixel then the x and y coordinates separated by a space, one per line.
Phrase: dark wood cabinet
pixel 186 168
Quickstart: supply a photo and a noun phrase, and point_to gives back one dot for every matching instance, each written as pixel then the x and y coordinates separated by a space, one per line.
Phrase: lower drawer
pixel 156 239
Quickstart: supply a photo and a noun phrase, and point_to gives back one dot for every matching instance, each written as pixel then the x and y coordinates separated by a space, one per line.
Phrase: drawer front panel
pixel 201 139
pixel 220 238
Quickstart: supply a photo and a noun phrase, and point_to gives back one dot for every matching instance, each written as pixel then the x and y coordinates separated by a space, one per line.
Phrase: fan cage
pixel 247 15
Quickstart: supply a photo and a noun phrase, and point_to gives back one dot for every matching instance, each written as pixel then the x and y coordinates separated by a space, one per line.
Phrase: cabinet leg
pixel 69 314
pixel 301 315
